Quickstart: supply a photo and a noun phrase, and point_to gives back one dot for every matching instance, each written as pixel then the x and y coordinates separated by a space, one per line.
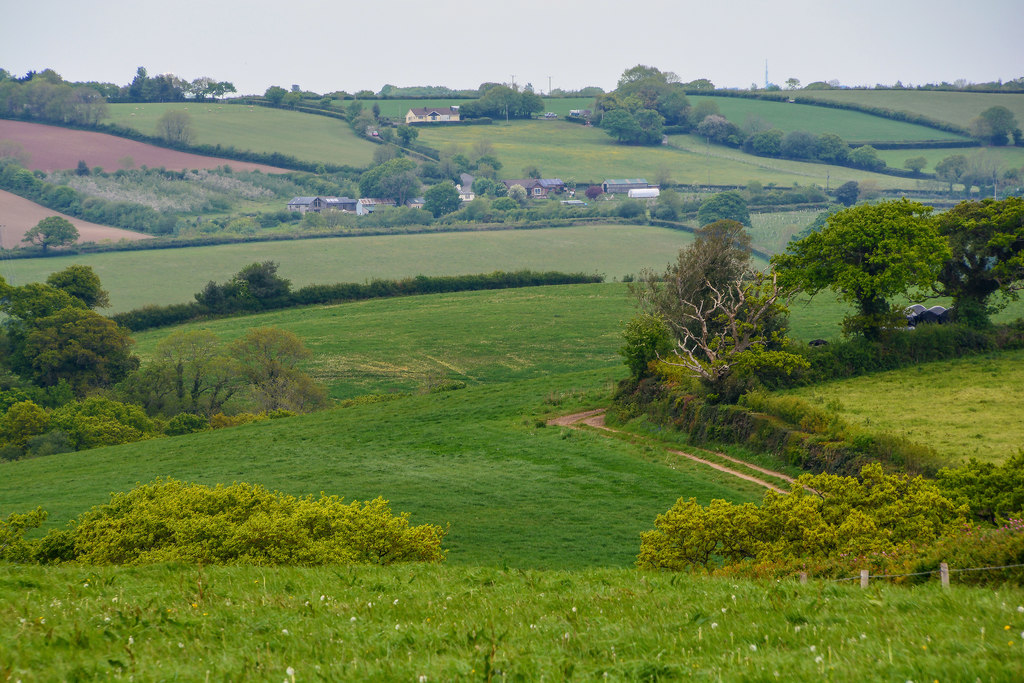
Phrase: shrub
pixel 647 339
pixel 186 423
pixel 220 420
pixel 98 421
pixel 171 521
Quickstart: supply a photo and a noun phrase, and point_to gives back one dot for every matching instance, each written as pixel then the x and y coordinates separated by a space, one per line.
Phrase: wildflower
pixel 1006 628
pixel 396 626
pixel 395 602
pixel 131 641
pixel 714 624
pixel 422 679
pixel 724 610
pixel 1020 608
pixel 533 626
pixel 284 631
pixel 290 671
pixel 574 609
pixel 181 645
pixel 322 598
pixel 85 585
pixel 352 619
pixel 863 636
pixel 369 604
pixel 814 648
pixel 753 648
pixel 819 659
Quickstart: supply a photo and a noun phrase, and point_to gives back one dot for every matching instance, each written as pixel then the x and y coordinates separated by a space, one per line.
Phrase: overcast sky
pixel 351 46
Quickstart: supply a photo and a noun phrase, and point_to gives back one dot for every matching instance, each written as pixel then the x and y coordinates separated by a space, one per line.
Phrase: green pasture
pixel 516 492
pixel 960 108
pixel 430 623
pixel 174 275
pixel 1000 158
pixel 725 165
pixel 260 129
pixel 964 408
pixel 408 343
pixel 851 126
pixel 771 232
pixel 589 155
pixel 397 109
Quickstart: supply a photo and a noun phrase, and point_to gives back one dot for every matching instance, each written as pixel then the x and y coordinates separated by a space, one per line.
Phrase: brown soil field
pixel 18 215
pixel 51 148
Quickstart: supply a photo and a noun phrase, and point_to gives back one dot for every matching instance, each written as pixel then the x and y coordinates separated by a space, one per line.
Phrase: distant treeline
pixel 257 288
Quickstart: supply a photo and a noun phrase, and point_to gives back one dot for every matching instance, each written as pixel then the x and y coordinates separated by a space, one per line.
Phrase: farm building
pixel 318 204
pixel 370 204
pixel 538 187
pixel 624 185
pixel 644 193
pixel 579 113
pixel 432 114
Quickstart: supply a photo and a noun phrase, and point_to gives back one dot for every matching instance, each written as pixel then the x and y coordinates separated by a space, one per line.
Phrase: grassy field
pixel 312 138
pixel 174 275
pixel 964 408
pixel 515 492
pixel 955 107
pixel 851 126
pixel 397 109
pixel 423 623
pixel 571 151
pixel 1000 157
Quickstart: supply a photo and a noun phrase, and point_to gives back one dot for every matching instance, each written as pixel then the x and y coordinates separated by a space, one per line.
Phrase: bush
pixel 97 421
pixel 171 521
pixel 186 423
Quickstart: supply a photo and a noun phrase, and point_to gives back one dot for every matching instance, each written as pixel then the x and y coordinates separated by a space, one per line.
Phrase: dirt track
pixel 17 215
pixel 595 419
pixel 54 149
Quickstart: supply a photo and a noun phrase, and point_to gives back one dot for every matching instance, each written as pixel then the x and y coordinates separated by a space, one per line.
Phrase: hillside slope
pixel 18 215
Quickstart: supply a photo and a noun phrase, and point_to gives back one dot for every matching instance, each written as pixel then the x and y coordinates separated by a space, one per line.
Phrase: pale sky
pixel 351 46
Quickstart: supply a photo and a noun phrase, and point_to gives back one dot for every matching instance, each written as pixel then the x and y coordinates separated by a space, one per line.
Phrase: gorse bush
pixel 172 521
pixel 821 518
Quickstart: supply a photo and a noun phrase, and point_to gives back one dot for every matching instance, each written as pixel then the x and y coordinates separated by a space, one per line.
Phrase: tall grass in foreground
pixel 425 623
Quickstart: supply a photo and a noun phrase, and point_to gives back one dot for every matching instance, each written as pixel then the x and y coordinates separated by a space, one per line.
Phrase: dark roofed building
pixel 624 185
pixel 538 187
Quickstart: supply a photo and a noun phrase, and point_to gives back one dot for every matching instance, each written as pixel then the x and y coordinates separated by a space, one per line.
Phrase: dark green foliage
pixel 647 338
pixel 150 317
pixel 81 282
pixel 847 193
pixel 441 199
pixel 987 241
pixel 728 205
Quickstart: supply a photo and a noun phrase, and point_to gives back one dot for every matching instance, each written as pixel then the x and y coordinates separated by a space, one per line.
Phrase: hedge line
pixel 149 317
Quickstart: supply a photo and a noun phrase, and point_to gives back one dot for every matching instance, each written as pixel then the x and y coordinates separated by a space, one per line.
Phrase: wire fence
pixel 944 571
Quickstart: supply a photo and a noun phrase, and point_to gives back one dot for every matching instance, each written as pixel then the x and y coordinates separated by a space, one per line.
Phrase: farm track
pixel 595 420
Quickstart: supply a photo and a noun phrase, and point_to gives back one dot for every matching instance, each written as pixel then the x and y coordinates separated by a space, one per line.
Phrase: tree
pixel 407 134
pixel 175 127
pixel 82 283
pixel 728 205
pixel 799 144
pixel 374 183
pixel 915 164
pixel 441 199
pixel 719 129
pixel 97 421
pixel 267 358
pixel 996 125
pixel 275 94
pixel 987 242
pixel 78 346
pixel 792 83
pixel 766 144
pixel 848 193
pixel 867 254
pixel 831 148
pixel 518 194
pixel 866 157
pixel 952 169
pixel 647 339
pixel 621 125
pixel 52 231
pixel 593 192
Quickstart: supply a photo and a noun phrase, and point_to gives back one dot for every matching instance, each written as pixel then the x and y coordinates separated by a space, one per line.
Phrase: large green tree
pixel 267 359
pixel 987 241
pixel 81 282
pixel 52 231
pixel 441 199
pixel 175 127
pixel 868 254
pixel 996 125
pixel 729 205
pixel 78 346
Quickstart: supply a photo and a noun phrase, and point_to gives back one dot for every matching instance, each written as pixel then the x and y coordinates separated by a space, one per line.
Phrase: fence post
pixel 863 578
pixel 803 577
pixel 944 573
